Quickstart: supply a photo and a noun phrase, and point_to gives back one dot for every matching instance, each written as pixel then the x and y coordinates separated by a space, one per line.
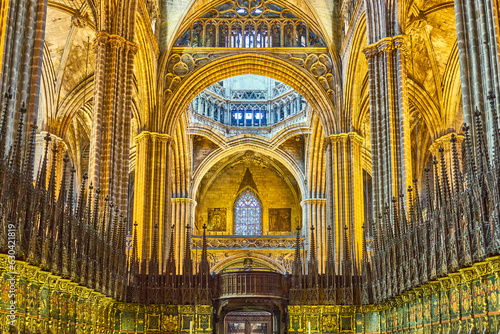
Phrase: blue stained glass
pixel 247 214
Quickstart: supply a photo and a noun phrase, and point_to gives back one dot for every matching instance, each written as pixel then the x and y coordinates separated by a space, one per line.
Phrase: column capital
pixel 313 201
pixel 445 142
pixel 185 200
pixel 352 136
pixel 60 142
pixel 103 38
pixel 153 136
pixel 79 21
pixel 387 44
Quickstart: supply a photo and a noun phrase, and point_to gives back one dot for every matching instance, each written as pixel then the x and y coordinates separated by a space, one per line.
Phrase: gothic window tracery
pixel 247 213
pixel 255 107
pixel 249 24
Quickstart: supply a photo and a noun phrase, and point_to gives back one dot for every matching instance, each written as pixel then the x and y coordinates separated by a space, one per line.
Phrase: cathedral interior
pixel 249 166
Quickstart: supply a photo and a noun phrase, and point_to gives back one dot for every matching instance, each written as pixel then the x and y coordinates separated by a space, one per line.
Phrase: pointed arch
pixel 247 213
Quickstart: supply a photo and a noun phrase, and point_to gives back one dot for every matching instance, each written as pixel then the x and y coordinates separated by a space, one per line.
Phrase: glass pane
pixel 247 214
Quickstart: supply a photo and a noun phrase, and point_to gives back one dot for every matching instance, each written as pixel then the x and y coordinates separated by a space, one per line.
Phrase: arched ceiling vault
pixel 289 165
pixel 356 72
pixel 67 80
pixel 238 158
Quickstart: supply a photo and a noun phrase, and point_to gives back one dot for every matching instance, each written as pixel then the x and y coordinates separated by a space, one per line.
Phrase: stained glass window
pixel 247 214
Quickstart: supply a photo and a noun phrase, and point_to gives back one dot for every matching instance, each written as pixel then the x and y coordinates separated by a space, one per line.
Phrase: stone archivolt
pixel 185 61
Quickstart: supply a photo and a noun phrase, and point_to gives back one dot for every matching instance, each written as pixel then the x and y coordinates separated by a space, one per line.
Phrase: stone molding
pixel 80 21
pixel 116 41
pixel 184 200
pixel 185 60
pixel 154 136
pixel 313 201
pixel 353 136
pixel 214 242
pixel 387 44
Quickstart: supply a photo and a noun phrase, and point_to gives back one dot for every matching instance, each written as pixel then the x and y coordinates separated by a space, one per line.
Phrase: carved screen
pixel 247 214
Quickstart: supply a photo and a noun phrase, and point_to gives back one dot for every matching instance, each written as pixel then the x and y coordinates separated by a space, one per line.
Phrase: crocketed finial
pixel 481 148
pixel 444 178
pixel 437 186
pixel 5 121
pixel 53 173
pixel 312 246
pixel 457 175
pixel 470 165
pixel 412 210
pixel 42 175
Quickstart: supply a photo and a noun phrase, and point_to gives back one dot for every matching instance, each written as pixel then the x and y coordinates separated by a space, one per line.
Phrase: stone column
pixel 110 134
pixel 4 7
pixel 198 107
pixel 227 115
pixel 345 201
pixel 182 215
pixel 39 152
pixel 389 121
pixel 22 39
pixel 478 40
pixel 152 189
pixel 314 213
pixel 445 143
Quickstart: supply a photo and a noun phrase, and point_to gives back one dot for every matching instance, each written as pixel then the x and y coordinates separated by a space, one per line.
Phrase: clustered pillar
pixel 345 193
pixel 110 135
pixel 477 40
pixel 22 29
pixel 151 211
pixel 314 214
pixel 183 216
pixel 389 118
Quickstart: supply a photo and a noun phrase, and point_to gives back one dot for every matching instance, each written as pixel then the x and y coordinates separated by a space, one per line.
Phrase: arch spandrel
pixel 188 72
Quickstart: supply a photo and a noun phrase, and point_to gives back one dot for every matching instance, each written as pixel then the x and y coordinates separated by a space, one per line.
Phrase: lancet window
pixel 250 24
pixel 247 213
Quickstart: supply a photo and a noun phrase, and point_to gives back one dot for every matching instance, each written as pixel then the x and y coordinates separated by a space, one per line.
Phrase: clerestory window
pixel 249 24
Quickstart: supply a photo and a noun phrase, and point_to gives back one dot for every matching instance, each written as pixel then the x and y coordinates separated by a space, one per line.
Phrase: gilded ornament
pixel 482 268
pixel 467 274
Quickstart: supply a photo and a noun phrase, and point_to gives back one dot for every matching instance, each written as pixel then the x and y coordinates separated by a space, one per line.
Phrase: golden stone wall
pixel 46 303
